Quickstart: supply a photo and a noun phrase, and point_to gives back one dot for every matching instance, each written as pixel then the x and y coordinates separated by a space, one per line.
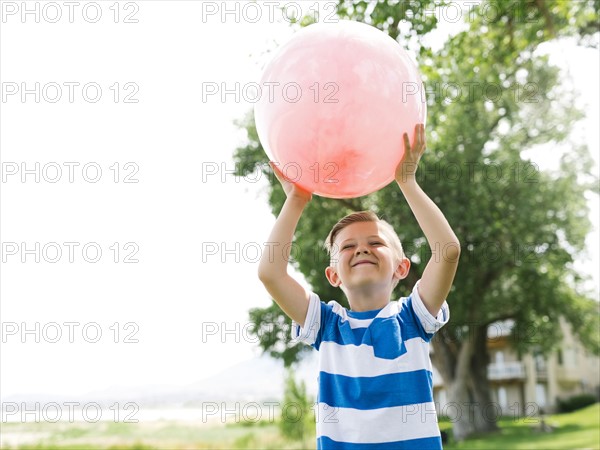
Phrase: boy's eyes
pixel 370 243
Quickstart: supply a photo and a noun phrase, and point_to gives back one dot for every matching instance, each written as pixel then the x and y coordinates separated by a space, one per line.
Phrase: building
pixel 522 385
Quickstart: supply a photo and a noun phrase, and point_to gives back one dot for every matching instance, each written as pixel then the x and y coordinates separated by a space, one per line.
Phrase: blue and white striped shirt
pixel 375 375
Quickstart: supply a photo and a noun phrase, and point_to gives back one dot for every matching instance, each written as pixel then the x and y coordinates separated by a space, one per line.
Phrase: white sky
pixel 171 214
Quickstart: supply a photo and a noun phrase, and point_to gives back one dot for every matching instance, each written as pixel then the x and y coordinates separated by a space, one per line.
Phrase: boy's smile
pixel 363 263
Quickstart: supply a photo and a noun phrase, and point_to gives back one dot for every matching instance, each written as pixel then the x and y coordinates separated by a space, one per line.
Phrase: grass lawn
pixel 155 435
pixel 577 430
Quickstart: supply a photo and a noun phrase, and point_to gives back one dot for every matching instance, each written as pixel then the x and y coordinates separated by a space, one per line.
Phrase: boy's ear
pixel 402 269
pixel 332 276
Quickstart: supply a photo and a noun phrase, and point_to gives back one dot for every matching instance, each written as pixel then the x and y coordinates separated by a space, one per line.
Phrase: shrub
pixel 297 416
pixel 576 402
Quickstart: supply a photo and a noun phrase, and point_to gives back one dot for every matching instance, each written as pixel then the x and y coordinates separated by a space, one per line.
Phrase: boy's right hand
pixel 291 190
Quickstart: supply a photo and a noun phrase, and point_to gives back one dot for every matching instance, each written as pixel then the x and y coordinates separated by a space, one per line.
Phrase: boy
pixel 375 379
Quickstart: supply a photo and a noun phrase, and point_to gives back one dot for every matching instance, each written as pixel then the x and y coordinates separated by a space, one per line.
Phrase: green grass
pixel 150 436
pixel 576 430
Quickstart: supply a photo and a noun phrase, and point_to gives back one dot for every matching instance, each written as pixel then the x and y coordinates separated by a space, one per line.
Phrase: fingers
pixel 419 139
pixel 406 143
pixel 278 173
pixel 289 187
pixel 285 182
pixel 280 177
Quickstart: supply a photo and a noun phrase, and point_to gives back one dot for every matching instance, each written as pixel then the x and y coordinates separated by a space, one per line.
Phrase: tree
pixel 490 97
pixel 297 416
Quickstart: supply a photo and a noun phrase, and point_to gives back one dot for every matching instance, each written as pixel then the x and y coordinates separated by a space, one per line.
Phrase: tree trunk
pixel 459 410
pixel 487 416
pixel 463 366
pixel 460 396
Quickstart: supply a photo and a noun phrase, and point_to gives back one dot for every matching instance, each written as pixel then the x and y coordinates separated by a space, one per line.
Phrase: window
pixel 499 358
pixel 540 395
pixel 502 397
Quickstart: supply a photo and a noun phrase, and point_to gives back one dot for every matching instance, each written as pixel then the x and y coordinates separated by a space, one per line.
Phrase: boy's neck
pixel 368 299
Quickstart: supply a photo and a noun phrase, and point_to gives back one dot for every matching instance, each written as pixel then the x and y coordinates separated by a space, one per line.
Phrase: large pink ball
pixel 335 102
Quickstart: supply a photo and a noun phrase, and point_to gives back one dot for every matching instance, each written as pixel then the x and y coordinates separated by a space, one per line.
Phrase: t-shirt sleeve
pixel 312 324
pixel 430 325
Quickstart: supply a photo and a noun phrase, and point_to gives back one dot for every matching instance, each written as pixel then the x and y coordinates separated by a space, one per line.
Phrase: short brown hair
pixel 364 216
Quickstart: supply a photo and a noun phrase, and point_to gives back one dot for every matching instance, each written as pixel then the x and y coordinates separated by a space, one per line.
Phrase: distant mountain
pixel 257 379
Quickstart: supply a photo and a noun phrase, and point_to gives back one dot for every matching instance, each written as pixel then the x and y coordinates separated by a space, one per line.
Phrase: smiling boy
pixel 375 376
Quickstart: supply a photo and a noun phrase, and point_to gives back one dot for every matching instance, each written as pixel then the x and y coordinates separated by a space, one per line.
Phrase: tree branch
pixel 549 22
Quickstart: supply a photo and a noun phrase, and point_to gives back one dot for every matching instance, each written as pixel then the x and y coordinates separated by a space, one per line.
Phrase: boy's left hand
pixel 407 168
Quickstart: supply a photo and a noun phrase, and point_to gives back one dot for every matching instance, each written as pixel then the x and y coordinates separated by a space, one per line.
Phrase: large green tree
pixel 491 96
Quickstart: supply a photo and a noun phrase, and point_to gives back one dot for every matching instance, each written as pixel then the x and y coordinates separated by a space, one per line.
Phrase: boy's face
pixel 363 256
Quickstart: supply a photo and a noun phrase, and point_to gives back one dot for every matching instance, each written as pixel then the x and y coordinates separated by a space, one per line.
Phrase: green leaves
pixel 297 415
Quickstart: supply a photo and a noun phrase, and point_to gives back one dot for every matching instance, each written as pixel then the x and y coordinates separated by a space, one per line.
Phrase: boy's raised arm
pixel 438 275
pixel 272 269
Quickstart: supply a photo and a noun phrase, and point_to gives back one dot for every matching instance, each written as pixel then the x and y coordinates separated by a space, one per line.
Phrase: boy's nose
pixel 362 249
